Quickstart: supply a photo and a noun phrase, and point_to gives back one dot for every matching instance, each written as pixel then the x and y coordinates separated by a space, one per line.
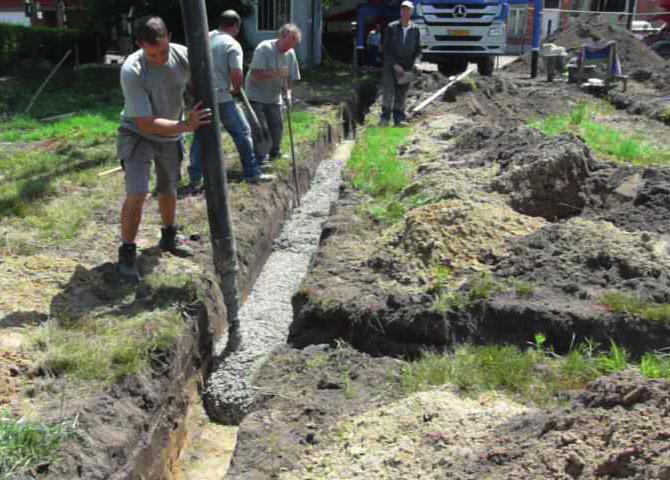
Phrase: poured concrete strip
pixel 267 314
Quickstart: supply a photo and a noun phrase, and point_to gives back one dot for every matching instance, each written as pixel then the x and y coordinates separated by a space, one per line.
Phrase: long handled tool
pixel 260 133
pixel 290 136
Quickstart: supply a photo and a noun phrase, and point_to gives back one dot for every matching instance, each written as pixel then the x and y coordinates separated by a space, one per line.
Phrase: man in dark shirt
pixel 402 49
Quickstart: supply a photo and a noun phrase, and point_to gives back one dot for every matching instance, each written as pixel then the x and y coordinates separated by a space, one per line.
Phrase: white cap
pixel 407 3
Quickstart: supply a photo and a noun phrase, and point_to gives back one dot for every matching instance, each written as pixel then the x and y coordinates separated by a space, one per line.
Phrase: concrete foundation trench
pixel 209 380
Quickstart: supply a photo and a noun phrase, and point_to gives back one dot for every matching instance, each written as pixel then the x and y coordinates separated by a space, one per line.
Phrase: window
pixel 272 14
pixel 517 22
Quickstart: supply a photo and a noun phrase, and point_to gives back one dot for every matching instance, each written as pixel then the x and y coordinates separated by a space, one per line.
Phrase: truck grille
pixel 455 38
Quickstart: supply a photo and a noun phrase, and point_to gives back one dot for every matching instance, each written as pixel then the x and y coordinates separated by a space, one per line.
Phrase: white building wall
pixel 16 18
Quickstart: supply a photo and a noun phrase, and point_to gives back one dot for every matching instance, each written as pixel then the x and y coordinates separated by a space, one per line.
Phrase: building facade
pixel 270 15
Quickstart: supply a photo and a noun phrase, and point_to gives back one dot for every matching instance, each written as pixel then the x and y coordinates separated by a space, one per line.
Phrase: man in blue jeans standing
pixel 227 62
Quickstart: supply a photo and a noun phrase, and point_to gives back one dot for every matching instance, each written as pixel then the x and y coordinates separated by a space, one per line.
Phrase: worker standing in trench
pixel 401 49
pixel 274 67
pixel 153 80
pixel 227 59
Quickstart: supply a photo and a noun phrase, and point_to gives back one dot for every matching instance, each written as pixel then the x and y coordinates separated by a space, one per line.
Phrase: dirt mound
pixel 633 53
pixel 463 236
pixel 632 198
pixel 617 428
pixel 542 176
pixel 584 259
pixel 546 181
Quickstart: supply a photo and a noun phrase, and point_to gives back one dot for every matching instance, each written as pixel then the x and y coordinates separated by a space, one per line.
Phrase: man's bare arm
pixel 169 128
pixel 236 79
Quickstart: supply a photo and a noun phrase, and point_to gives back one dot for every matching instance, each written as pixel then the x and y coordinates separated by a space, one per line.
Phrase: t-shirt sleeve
pixel 235 58
pixel 294 73
pixel 137 103
pixel 261 60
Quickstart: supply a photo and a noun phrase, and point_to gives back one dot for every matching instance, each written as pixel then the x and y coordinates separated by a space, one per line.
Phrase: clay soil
pixel 496 199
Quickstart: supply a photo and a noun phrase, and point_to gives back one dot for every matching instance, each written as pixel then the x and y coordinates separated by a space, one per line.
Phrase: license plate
pixel 458 33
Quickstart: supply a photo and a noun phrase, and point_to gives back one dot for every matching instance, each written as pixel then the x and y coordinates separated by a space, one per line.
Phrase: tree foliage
pixel 106 13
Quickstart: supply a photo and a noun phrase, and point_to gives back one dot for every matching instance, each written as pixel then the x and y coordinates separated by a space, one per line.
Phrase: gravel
pixel 265 317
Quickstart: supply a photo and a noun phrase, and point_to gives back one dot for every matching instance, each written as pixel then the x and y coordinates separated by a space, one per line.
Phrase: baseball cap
pixel 407 3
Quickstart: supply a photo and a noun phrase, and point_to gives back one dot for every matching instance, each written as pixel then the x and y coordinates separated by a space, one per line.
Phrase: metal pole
pixel 537 35
pixel 290 136
pixel 216 193
pixel 53 72
pixel 632 10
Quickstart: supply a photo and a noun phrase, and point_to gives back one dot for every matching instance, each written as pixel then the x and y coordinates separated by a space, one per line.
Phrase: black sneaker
pixel 127 265
pixel 171 243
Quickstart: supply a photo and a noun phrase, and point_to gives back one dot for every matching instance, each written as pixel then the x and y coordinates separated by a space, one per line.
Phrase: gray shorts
pixel 136 153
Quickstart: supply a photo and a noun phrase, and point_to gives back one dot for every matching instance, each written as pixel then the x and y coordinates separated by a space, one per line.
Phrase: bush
pixel 23 43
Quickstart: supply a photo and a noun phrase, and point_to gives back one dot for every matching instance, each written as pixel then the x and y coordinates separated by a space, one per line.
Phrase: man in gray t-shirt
pixel 227 66
pixel 274 67
pixel 153 80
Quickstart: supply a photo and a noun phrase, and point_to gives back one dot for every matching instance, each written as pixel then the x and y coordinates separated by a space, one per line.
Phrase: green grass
pixel 25 445
pixel 374 165
pixel 481 287
pixel 31 177
pixel 604 139
pixel 79 127
pixel 108 348
pixel 78 147
pixel 624 303
pixel 306 126
pixel 534 375
pixel 376 169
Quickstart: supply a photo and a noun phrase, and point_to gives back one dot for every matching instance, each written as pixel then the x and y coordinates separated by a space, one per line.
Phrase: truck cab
pixel 457 32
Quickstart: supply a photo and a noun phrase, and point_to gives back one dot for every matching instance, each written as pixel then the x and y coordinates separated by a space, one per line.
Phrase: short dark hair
pixel 150 30
pixel 229 18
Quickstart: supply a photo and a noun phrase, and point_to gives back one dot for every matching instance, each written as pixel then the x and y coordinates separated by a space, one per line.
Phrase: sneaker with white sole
pixel 262 178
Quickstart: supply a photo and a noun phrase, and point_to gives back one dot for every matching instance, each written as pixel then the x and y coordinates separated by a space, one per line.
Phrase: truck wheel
pixel 485 66
pixel 453 67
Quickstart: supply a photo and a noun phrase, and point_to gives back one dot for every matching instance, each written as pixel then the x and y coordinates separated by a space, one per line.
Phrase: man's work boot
pixel 170 243
pixel 384 118
pixel 399 119
pixel 127 265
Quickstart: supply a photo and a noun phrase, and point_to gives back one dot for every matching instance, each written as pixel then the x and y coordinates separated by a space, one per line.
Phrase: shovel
pixel 290 136
pixel 259 131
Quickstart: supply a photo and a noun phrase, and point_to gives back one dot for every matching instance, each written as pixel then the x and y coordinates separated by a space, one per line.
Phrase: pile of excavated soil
pixel 619 427
pixel 339 414
pixel 633 199
pixel 633 53
pixel 584 259
pixel 462 235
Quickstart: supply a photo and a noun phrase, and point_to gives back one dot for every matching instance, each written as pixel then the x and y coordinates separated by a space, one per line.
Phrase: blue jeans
pixel 270 114
pixel 236 125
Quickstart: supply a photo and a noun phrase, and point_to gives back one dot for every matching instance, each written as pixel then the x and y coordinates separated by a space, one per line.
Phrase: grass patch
pixel 633 305
pixel 79 127
pixel 535 374
pixel 481 287
pixel 25 445
pixel 107 348
pixel 374 168
pixel 604 139
pixel 306 127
